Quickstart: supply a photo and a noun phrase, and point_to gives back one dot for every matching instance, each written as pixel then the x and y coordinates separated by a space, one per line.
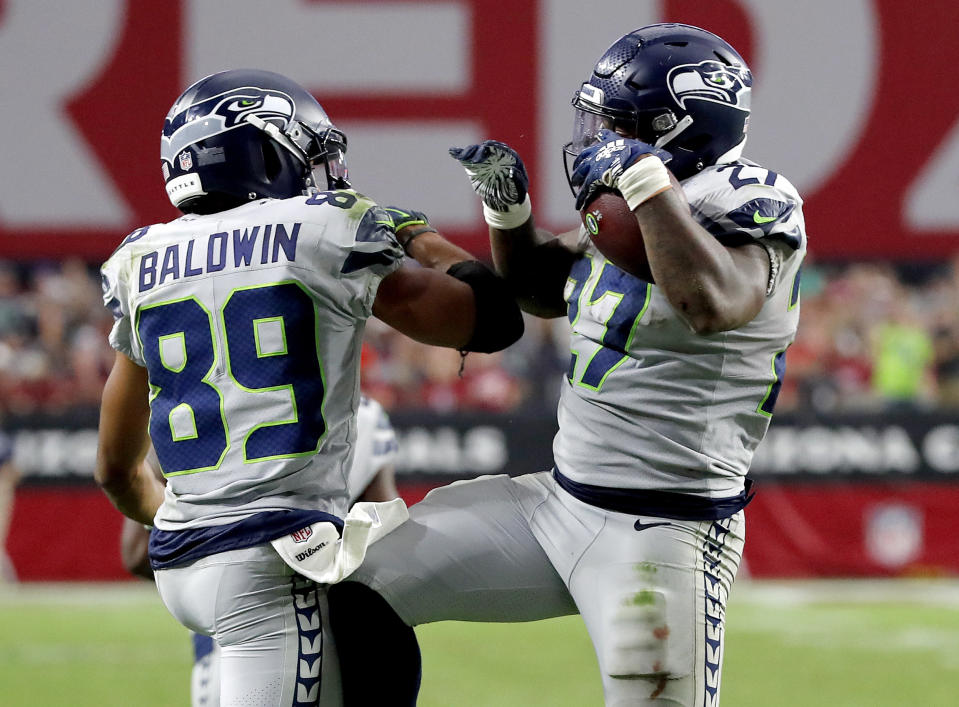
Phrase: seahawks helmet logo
pixel 713 81
pixel 217 114
pixel 237 105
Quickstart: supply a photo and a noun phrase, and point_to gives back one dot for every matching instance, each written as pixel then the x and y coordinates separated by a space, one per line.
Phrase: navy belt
pixel 660 504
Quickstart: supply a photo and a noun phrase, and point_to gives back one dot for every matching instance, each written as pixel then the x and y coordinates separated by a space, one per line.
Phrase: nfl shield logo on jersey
pixel 302 535
pixel 186 160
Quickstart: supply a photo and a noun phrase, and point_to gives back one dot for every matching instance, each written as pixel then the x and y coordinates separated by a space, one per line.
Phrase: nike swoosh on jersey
pixel 640 525
pixel 762 219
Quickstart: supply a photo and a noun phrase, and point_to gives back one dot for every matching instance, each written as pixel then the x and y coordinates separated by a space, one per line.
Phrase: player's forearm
pixel 134 549
pixel 137 494
pixel 701 278
pixel 535 265
pixel 511 249
pixel 431 250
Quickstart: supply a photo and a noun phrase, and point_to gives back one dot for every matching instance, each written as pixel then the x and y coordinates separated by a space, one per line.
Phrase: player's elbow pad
pixel 499 321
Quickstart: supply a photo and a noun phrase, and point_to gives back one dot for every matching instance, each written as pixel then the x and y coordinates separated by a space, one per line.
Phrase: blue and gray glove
pixel 416 221
pixel 603 164
pixel 405 217
pixel 496 172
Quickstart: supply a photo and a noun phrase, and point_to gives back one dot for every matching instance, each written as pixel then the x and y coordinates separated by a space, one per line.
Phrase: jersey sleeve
pixel 358 247
pixel 375 246
pixel 116 299
pixel 745 203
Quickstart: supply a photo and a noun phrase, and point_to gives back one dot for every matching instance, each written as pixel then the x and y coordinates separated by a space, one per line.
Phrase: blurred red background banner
pixel 851 101
pixel 836 496
pixel 820 530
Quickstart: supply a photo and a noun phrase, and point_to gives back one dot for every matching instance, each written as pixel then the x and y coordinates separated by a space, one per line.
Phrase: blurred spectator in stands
pixel 943 295
pixel 89 360
pixel 403 374
pixel 67 297
pixel 53 349
pixel 489 385
pixel 903 355
pixel 442 387
pixel 849 306
pixel 946 344
pixel 538 360
pixel 854 351
pixel 24 365
pixel 451 384
pixel 13 314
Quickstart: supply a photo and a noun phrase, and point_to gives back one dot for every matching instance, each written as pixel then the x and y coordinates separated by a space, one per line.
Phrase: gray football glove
pixel 496 173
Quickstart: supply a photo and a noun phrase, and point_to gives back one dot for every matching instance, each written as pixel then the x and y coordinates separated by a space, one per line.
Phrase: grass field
pixel 841 644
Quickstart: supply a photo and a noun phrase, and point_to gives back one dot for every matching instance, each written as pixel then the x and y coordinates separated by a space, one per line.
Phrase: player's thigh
pixel 467 553
pixel 653 597
pixel 268 622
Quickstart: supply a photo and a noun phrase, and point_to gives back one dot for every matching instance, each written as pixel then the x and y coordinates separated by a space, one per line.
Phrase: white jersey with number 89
pixel 249 323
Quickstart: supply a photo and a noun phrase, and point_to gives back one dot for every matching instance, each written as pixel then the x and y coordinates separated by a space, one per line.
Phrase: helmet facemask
pixel 312 148
pixel 328 149
pixel 655 127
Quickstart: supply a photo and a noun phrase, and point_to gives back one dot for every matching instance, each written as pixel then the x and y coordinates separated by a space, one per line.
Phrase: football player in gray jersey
pixel 238 330
pixel 372 478
pixel 672 380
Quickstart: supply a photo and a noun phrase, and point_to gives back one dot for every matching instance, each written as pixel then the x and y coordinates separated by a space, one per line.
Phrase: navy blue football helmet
pixel 674 86
pixel 246 134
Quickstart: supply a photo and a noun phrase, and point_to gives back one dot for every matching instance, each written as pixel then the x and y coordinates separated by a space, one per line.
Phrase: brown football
pixel 614 230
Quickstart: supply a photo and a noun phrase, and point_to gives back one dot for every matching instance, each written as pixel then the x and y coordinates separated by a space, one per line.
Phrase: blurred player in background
pixel 670 387
pixel 372 478
pixel 238 330
pixel 9 478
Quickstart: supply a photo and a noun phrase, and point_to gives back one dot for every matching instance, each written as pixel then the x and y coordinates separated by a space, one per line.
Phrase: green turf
pixel 841 654
pixel 91 648
pixel 542 664
pixel 787 645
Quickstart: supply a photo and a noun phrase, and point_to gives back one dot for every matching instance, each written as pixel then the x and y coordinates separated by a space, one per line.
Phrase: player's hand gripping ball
pixel 608 220
pixel 613 228
pixel 600 165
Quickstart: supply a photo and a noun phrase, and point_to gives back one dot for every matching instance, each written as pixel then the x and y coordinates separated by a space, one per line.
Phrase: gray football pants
pixel 653 597
pixel 270 624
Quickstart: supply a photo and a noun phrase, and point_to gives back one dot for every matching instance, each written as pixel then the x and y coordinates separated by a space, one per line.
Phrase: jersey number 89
pixel 269 335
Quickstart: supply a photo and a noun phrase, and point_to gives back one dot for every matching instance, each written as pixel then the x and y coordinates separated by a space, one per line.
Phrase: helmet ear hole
pixel 272 164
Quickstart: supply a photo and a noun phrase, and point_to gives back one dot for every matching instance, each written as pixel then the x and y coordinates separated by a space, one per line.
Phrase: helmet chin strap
pixel 667 138
pixel 279 136
pixel 731 155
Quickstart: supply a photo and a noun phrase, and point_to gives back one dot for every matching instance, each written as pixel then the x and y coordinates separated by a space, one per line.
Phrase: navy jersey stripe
pixel 181 547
